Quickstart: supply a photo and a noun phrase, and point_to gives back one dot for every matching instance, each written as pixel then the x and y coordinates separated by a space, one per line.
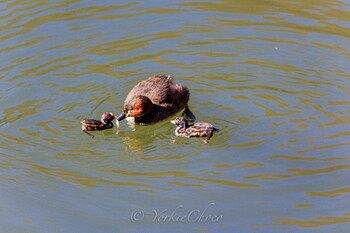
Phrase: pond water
pixel 272 75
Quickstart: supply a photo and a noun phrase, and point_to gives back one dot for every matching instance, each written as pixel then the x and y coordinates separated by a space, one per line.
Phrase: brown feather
pixel 199 129
pixel 104 123
pixel 167 97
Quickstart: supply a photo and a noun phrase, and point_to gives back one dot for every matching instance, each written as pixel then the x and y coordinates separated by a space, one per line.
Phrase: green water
pixel 272 75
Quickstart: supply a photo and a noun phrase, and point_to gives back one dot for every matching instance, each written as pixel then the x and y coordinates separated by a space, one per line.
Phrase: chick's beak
pixel 173 122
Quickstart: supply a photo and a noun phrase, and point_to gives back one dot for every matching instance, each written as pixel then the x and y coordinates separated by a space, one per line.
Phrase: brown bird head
pixel 107 117
pixel 137 107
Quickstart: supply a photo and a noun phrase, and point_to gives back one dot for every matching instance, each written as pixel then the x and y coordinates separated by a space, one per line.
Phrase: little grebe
pixel 199 129
pixel 155 99
pixel 92 124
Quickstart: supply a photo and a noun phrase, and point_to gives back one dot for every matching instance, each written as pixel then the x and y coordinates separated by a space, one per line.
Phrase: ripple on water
pixel 272 77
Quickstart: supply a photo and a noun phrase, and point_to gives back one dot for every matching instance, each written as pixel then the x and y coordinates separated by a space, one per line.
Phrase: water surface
pixel 272 75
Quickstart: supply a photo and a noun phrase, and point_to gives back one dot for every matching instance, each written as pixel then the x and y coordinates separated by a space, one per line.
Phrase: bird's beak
pixel 121 117
pixel 173 122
